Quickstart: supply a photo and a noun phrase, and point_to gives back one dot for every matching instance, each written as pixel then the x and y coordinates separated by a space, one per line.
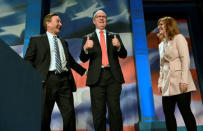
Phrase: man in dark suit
pixel 102 48
pixel 49 55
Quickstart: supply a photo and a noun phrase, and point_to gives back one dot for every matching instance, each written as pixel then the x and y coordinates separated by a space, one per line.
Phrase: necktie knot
pixel 55 37
pixel 101 31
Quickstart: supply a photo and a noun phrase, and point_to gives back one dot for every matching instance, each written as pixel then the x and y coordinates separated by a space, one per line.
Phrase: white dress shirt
pixel 52 66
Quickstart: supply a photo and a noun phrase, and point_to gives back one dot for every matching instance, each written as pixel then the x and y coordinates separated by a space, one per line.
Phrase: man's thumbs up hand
pixel 116 42
pixel 88 44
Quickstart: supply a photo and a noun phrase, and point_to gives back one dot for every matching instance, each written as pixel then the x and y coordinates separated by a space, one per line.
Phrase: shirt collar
pixel 50 35
pixel 98 31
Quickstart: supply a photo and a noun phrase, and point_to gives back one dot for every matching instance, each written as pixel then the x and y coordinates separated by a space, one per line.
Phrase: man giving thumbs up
pixel 103 48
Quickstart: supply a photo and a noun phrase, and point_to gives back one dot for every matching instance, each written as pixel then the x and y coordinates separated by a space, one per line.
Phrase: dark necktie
pixel 105 60
pixel 57 56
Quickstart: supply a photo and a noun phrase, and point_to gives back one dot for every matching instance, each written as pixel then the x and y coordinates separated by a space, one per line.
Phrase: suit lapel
pixel 97 46
pixel 95 38
pixel 45 41
pixel 108 42
pixel 64 45
pixel 65 49
pixel 45 47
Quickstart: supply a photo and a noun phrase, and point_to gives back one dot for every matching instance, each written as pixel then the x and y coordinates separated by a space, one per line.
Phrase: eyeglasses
pixel 100 16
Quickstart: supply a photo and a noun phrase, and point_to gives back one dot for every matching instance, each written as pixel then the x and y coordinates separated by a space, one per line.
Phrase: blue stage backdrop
pixel 77 21
pixel 76 18
pixel 153 42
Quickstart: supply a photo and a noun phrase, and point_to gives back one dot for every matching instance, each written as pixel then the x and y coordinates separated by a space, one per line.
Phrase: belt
pixel 54 73
pixel 106 68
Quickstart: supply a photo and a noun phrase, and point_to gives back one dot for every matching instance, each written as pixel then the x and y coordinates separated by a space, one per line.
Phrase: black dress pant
pixel 183 101
pixel 57 89
pixel 106 92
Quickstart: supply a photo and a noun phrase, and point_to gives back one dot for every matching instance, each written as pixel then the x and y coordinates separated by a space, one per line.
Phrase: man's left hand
pixel 116 42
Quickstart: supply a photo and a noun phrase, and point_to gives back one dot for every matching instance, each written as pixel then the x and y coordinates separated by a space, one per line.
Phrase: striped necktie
pixel 57 56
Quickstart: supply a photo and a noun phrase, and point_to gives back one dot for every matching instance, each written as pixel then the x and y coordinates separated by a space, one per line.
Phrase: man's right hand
pixel 89 44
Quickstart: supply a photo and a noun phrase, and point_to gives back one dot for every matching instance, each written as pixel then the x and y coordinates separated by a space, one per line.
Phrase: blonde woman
pixel 175 81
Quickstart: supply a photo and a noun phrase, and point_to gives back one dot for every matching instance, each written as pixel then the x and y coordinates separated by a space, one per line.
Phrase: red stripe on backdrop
pixel 128 128
pixel 80 80
pixel 125 128
pixel 153 41
pixel 128 69
pixel 182 20
pixel 195 95
pixel 189 43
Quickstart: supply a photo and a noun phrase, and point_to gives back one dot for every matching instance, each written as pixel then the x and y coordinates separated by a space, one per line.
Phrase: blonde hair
pixel 170 26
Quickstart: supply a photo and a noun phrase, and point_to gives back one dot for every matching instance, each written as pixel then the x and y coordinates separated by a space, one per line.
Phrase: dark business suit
pixel 57 88
pixel 105 83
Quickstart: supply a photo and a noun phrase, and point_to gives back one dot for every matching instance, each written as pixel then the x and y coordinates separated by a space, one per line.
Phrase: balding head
pixel 98 12
pixel 100 20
